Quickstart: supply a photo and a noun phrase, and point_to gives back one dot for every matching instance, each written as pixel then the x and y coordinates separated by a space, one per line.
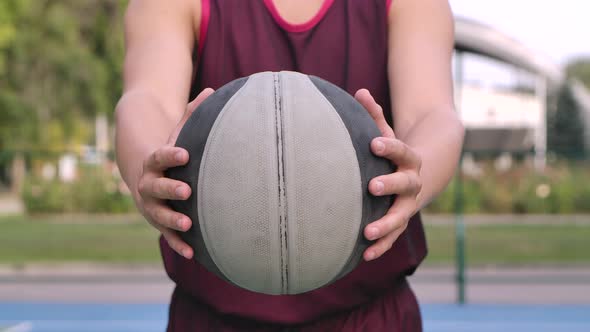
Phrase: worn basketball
pixel 279 169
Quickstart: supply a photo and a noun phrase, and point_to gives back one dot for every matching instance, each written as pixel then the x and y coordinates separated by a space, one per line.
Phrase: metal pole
pixel 541 130
pixel 460 238
pixel 459 198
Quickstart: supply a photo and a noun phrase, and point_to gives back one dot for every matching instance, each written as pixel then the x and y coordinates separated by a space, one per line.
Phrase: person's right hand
pixel 154 189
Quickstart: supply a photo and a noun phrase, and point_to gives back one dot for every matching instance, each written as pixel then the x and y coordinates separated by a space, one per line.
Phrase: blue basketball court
pixel 49 317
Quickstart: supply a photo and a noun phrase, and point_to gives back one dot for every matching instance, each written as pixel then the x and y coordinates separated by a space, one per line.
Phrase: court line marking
pixel 512 324
pixel 20 327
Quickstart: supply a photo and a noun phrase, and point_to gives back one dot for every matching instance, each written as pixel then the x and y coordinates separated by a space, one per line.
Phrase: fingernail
pixel 186 253
pixel 179 191
pixel 180 223
pixel 378 186
pixel 372 233
pixel 379 147
pixel 371 256
pixel 179 156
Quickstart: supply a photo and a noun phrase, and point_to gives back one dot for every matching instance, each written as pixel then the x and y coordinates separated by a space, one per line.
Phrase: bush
pixel 95 191
pixel 44 196
pixel 562 189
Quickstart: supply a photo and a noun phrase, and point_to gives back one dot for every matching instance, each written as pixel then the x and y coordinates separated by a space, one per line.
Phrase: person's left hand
pixel 405 182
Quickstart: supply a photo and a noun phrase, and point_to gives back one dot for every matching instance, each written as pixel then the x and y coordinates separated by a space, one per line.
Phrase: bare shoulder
pixel 157 12
pixel 421 40
pixel 440 10
pixel 160 37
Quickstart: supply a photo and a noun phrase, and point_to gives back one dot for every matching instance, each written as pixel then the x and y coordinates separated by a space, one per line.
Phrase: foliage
pixel 565 128
pixel 580 69
pixel 60 65
pixel 562 189
pixel 95 191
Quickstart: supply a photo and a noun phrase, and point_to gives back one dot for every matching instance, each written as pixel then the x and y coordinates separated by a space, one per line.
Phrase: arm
pixel 426 141
pixel 157 72
pixel 421 46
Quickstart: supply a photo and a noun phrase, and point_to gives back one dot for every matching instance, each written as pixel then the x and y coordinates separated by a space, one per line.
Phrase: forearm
pixel 421 39
pixel 438 139
pixel 142 126
pixel 159 39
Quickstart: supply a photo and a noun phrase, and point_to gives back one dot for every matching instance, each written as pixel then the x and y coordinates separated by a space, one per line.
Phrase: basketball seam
pixel 281 183
pixel 274 76
pixel 285 201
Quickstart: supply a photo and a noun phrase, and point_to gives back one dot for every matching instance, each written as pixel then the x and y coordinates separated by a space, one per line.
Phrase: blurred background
pixel 509 240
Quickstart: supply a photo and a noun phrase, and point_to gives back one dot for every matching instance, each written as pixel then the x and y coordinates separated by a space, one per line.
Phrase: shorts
pixel 395 310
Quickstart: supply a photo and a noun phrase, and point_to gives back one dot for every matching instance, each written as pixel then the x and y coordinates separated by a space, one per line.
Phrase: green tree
pixel 565 127
pixel 60 65
pixel 580 69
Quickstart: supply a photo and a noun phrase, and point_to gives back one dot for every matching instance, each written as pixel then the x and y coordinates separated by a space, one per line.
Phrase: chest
pixel 297 11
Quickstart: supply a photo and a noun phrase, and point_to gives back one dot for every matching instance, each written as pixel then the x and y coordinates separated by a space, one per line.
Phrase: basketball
pixel 279 169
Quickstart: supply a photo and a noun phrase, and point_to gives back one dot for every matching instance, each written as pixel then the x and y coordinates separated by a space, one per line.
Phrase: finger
pixel 364 97
pixel 396 151
pixel 397 217
pixel 401 182
pixel 382 246
pixel 161 216
pixel 190 108
pixel 164 188
pixel 177 244
pixel 166 157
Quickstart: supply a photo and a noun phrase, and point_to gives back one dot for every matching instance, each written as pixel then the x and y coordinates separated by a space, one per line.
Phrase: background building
pixel 513 117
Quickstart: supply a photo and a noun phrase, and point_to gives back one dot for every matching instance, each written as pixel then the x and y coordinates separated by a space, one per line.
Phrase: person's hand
pixel 405 182
pixel 153 188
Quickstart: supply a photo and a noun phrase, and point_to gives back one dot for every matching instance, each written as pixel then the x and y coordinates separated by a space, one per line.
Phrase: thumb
pixel 190 108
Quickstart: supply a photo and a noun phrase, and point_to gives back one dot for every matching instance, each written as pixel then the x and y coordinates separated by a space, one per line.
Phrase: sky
pixel 560 29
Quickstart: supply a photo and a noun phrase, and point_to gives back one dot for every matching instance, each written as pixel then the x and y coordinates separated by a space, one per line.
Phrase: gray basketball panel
pixel 237 189
pixel 193 138
pixel 323 186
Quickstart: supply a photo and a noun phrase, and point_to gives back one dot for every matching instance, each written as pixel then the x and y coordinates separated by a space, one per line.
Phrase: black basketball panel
pixel 362 130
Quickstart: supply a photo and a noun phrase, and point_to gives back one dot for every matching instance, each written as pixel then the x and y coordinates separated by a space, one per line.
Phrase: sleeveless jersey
pixel 345 43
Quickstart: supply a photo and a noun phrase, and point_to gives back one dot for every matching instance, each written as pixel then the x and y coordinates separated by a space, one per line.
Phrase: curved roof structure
pixel 474 37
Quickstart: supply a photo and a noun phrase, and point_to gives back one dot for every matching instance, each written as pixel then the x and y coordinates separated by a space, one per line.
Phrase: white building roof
pixel 475 37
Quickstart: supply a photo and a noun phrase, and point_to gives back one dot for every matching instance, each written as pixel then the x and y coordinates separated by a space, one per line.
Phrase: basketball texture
pixel 279 169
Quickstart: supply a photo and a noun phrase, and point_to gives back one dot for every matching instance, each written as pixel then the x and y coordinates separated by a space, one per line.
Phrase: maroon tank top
pixel 346 44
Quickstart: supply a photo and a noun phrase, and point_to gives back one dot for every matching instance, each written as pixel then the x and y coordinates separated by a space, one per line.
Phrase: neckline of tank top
pixel 299 27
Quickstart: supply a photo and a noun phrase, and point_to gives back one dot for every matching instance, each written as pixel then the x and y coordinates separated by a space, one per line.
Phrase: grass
pixel 563 244
pixel 77 238
pixel 129 239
